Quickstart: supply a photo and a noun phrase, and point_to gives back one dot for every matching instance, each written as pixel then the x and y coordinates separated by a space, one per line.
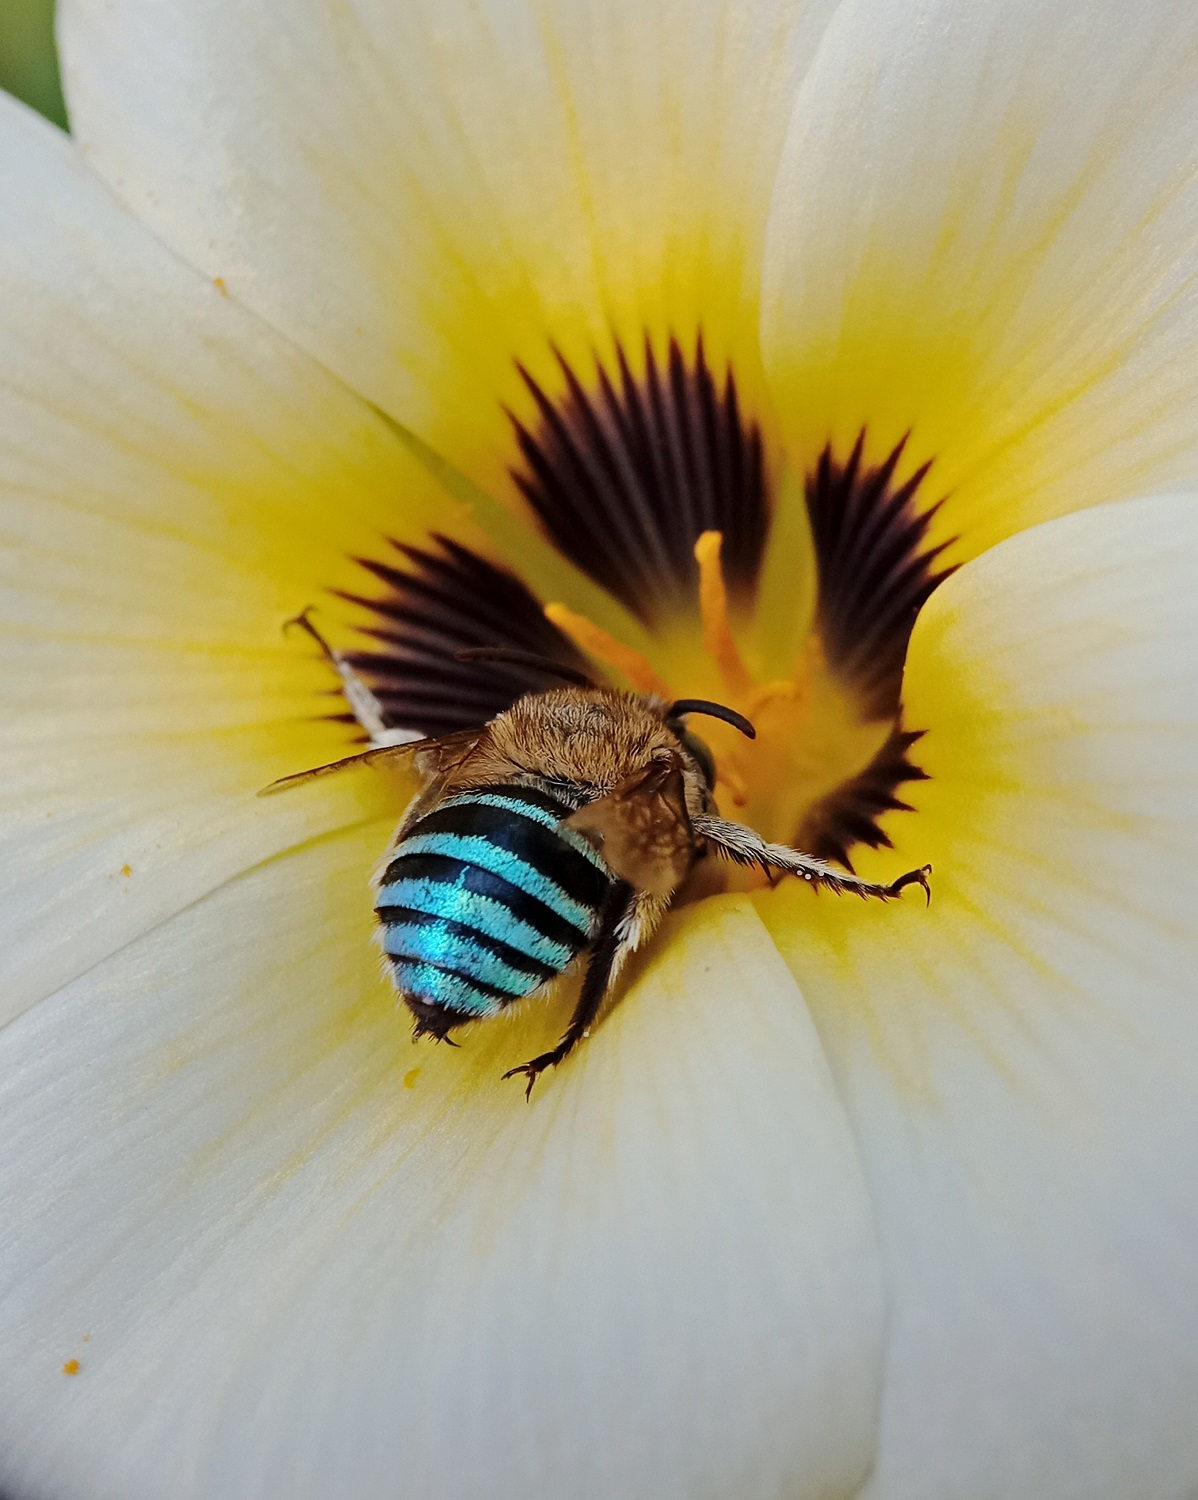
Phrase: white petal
pixel 312 1260
pixel 986 235
pixel 175 482
pixel 1020 1059
pixel 423 193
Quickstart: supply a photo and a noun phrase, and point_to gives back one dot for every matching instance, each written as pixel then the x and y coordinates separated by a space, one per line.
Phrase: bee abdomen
pixel 485 899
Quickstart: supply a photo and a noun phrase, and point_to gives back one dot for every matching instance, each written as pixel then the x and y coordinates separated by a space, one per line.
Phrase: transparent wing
pixel 434 755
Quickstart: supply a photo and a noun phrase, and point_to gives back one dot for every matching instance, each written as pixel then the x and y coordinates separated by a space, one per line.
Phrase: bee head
pixel 593 737
pixel 696 748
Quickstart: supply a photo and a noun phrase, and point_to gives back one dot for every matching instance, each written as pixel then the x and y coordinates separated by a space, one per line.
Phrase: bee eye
pixel 701 756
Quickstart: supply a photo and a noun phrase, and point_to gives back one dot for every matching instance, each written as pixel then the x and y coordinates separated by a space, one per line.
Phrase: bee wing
pixel 434 756
pixel 642 830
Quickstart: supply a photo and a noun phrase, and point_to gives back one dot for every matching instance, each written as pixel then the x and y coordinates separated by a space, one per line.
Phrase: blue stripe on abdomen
pixel 482 913
pixel 485 899
pixel 477 850
pixel 451 991
pixel 456 874
pixel 519 828
pixel 515 801
pixel 449 945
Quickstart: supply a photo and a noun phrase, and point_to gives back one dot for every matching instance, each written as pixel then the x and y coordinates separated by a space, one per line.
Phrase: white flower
pixel 837 1199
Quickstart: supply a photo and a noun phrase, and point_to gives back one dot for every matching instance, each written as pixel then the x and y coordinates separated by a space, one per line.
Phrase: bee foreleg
pixel 365 706
pixel 607 946
pixel 741 844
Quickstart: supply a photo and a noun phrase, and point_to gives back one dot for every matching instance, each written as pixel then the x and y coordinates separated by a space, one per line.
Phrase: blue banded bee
pixel 561 827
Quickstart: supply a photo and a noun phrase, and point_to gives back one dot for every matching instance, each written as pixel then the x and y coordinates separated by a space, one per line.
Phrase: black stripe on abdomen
pixel 406 917
pixel 542 849
pixel 447 870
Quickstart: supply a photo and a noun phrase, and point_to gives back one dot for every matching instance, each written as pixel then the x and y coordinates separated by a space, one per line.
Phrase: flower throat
pixel 655 483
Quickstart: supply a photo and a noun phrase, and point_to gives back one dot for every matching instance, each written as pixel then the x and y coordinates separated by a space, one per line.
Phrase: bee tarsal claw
pixel 914 877
pixel 534 1069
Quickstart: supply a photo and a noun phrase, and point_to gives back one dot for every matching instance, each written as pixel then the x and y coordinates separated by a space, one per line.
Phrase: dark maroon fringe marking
pixel 436 603
pixel 625 476
pixel 876 570
pixel 850 814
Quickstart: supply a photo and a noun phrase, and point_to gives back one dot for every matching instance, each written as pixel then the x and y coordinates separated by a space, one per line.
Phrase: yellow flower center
pixel 788 600
pixel 811 735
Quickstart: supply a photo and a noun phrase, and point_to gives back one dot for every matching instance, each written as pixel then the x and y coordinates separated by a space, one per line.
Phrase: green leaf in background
pixel 28 61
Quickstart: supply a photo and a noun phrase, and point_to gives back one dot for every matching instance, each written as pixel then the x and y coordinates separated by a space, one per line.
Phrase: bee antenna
pixel 713 711
pixel 510 656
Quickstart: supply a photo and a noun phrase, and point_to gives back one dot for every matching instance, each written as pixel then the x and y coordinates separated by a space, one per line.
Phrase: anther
pixel 596 642
pixel 713 611
pixel 738 791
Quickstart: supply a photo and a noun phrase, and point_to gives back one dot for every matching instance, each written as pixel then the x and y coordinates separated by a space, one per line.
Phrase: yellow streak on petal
pixel 596 642
pixel 787 590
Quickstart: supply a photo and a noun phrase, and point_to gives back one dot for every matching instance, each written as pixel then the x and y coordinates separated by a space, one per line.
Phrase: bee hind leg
pixel 365 706
pixel 594 986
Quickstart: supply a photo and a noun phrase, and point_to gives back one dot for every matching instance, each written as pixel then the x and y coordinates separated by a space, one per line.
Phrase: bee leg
pixel 736 842
pixel 366 707
pixel 594 985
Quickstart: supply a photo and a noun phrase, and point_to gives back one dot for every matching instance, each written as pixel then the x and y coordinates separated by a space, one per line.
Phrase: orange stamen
pixel 713 611
pixel 595 641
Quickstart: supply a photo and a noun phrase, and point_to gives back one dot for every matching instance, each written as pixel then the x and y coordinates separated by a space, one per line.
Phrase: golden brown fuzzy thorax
pixel 594 737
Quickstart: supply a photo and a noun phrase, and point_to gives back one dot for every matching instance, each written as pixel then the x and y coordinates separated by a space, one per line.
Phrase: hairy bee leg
pixel 748 848
pixel 638 924
pixel 366 707
pixel 594 985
